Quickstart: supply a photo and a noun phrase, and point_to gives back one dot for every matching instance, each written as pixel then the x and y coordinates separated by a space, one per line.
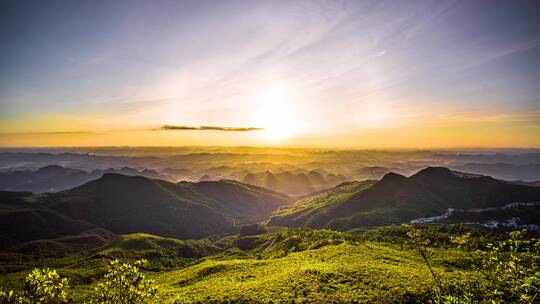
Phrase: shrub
pixel 41 286
pixel 509 268
pixel 125 284
pixel 508 271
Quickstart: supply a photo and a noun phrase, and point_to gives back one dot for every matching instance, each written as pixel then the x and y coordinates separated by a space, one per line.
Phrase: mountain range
pixel 525 172
pixel 397 199
pixel 121 204
pixel 54 178
pixel 127 204
pixel 293 182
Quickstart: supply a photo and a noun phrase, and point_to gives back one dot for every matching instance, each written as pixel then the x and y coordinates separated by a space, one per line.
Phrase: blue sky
pixel 338 67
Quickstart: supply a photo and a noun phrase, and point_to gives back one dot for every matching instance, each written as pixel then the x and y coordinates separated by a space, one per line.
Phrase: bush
pixel 508 271
pixel 125 284
pixel 41 286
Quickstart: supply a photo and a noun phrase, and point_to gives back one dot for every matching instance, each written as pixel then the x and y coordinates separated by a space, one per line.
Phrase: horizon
pixel 313 74
pixel 277 147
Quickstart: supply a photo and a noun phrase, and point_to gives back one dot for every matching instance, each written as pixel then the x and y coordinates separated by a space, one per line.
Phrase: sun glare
pixel 275 112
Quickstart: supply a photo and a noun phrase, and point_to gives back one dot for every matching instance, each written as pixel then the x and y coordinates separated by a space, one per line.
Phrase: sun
pixel 275 112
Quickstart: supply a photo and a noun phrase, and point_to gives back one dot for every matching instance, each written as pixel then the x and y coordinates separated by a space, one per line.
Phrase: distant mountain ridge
pixel 54 178
pixel 397 199
pixel 524 172
pixel 294 184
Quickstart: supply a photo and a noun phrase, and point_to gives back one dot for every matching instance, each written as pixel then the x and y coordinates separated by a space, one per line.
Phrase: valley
pixel 223 240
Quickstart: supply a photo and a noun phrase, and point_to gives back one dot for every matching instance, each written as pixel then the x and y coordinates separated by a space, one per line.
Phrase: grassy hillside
pixel 162 253
pixel 87 241
pixel 305 211
pixel 397 199
pixel 345 273
pixel 279 266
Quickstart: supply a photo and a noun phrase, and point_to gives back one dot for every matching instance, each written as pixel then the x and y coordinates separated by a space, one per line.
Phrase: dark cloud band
pixel 210 128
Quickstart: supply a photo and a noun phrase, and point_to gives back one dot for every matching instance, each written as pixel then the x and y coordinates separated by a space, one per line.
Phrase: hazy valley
pixel 205 220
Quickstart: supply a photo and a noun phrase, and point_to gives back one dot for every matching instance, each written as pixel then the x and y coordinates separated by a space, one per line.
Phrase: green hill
pixel 397 199
pixel 132 204
pixel 19 225
pixel 305 212
pixel 87 241
pixel 281 265
pixel 344 273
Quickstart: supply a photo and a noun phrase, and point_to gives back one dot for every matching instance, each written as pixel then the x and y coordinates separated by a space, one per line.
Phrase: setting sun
pixel 274 111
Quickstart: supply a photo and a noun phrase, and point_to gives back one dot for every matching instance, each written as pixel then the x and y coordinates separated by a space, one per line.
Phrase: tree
pixel 421 244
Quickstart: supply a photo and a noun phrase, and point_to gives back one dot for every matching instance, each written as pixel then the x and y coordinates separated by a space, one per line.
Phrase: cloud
pixel 531 118
pixel 210 128
pixel 499 53
pixel 51 133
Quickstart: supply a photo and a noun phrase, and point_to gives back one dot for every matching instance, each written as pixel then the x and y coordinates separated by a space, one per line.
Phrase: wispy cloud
pixel 499 53
pixel 532 117
pixel 209 128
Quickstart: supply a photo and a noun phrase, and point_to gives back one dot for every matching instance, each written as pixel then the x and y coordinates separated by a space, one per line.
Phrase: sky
pixel 377 74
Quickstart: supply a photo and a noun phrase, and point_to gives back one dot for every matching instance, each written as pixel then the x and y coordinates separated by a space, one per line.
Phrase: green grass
pixel 280 266
pixel 332 196
pixel 368 273
pixel 162 253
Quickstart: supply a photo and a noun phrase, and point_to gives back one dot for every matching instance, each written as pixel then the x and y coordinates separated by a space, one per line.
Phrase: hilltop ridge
pixel 396 199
